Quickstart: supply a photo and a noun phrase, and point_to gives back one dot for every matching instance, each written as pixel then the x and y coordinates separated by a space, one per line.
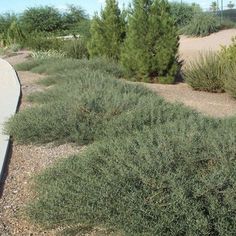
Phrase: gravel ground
pixel 25 161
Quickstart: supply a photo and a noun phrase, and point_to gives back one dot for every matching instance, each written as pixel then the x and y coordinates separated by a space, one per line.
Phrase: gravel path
pixel 25 161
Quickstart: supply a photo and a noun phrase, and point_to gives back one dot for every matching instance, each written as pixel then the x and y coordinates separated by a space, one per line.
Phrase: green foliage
pixel 43 42
pixel 228 60
pixel 41 19
pixel 6 20
pixel 202 24
pixel 206 73
pixel 72 17
pixel 151 44
pixel 230 80
pixel 153 164
pixel 91 91
pixel 107 32
pixel 214 72
pixel 183 12
pixel 15 34
pixel 76 48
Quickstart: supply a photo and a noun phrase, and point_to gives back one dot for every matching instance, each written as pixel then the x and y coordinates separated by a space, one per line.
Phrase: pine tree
pixel 107 32
pixel 151 44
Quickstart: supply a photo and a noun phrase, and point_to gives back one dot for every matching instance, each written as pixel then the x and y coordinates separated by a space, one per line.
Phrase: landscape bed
pixel 151 168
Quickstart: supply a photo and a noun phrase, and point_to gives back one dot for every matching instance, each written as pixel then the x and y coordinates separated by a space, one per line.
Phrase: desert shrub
pixel 226 23
pixel 97 64
pixel 202 24
pixel 153 162
pixel 76 48
pixel 90 109
pixel 206 73
pixel 228 60
pixel 43 42
pixel 140 183
pixel 15 34
pixel 6 20
pixel 230 80
pixel 40 55
pixel 183 12
pixel 151 44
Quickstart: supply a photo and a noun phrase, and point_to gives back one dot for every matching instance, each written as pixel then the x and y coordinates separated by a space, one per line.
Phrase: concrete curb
pixel 10 92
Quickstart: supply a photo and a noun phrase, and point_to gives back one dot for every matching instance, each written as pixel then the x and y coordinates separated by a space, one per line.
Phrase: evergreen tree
pixel 151 44
pixel 107 32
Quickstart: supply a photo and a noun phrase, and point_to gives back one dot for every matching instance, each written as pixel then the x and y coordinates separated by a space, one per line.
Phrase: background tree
pixel 107 32
pixel 230 5
pixel 151 44
pixel 183 12
pixel 214 7
pixel 6 20
pixel 73 18
pixel 41 19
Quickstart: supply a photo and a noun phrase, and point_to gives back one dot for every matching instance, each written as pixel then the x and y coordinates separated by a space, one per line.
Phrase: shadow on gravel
pixel 5 170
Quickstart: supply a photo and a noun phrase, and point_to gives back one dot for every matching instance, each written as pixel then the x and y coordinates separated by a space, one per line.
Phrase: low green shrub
pixel 75 49
pixel 230 80
pixel 153 163
pixel 142 182
pixel 43 42
pixel 202 24
pixel 47 54
pixel 166 79
pixel 228 59
pixel 69 64
pixel 206 73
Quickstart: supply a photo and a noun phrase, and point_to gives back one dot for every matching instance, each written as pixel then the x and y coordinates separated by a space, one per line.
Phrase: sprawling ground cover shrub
pixel 156 168
pixel 206 73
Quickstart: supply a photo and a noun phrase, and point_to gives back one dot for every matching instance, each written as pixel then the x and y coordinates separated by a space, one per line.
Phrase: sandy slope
pixel 215 105
pixel 190 47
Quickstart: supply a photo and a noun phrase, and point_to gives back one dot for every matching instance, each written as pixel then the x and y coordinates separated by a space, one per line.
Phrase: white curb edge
pixel 12 102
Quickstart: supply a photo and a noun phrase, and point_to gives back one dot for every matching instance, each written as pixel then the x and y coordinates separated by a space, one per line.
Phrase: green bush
pixel 228 59
pixel 151 45
pixel 153 162
pixel 183 12
pixel 206 73
pixel 102 65
pixel 202 24
pixel 140 184
pixel 230 80
pixel 76 48
pixel 41 19
pixel 43 42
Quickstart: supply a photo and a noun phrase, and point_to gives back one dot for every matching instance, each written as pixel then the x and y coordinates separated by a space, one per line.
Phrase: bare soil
pixel 210 104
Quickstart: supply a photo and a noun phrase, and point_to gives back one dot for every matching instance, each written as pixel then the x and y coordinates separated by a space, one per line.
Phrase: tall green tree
pixel 151 43
pixel 107 32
